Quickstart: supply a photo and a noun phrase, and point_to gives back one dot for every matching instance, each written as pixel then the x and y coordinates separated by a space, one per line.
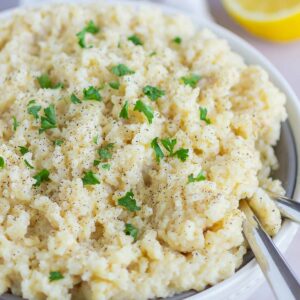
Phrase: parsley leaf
pixel 46 83
pixel 34 110
pixel 153 53
pixel 96 162
pixel 91 93
pixel 95 139
pixel 124 111
pixel 153 93
pixel 131 230
pixel 135 39
pixel 121 70
pixel 31 102
pixel 16 124
pixel 41 176
pixel 199 177
pixel 2 162
pixel 177 40
pixel 158 152
pixel 169 145
pixel 129 202
pixel 75 99
pixel 105 166
pixel 203 115
pixel 145 109
pixel 28 164
pixel 114 85
pixel 89 178
pixel 105 152
pixel 23 150
pixel 182 154
pixel 58 142
pixel 191 80
pixel 89 28
pixel 49 120
pixel 55 275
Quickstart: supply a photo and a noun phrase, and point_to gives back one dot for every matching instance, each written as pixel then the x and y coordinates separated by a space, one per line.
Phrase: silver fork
pixel 281 278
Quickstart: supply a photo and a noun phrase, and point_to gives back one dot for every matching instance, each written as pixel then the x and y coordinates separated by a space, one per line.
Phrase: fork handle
pixel 278 273
pixel 288 208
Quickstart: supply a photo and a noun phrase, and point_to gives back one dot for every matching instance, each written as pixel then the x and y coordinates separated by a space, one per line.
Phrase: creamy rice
pixel 180 235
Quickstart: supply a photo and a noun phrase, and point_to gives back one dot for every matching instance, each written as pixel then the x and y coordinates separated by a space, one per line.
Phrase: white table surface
pixel 286 57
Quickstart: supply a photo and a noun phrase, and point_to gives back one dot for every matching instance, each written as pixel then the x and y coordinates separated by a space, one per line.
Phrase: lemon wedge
pixel 275 20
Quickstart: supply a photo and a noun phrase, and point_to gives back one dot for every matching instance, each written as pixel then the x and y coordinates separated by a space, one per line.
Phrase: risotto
pixel 127 139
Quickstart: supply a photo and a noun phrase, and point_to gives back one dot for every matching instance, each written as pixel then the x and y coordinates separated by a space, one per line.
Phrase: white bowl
pixel 244 282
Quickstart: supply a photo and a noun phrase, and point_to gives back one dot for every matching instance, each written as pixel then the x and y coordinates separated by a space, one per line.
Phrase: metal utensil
pixel 278 273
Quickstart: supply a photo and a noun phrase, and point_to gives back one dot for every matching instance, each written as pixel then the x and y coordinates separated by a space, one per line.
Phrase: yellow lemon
pixel 275 20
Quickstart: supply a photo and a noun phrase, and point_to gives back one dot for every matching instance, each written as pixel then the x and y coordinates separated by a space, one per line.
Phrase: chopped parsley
pixel 121 70
pixel 105 152
pixel 28 164
pixel 191 80
pixel 23 150
pixel 145 109
pixel 135 39
pixel 89 178
pixel 131 230
pixel 124 111
pixel 203 115
pixel 49 120
pixel 177 40
pixel 153 93
pixel 2 162
pixel 75 99
pixel 55 275
pixel 129 202
pixel 41 177
pixel 95 139
pixel 105 166
pixel 31 102
pixel 89 28
pixel 158 152
pixel 16 124
pixel 58 142
pixel 199 177
pixel 153 53
pixel 91 93
pixel 169 145
pixel 114 85
pixel 34 109
pixel 96 162
pixel 46 83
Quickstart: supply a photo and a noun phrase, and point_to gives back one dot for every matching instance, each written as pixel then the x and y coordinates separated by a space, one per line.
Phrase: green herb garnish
pixel 158 152
pixel 124 111
pixel 131 230
pixel 34 110
pixel 145 109
pixel 46 83
pixel 91 93
pixel 121 70
pixel 169 145
pixel 89 28
pixel 177 40
pixel 203 115
pixel 129 202
pixel 55 275
pixel 23 150
pixel 2 162
pixel 95 139
pixel 135 39
pixel 199 177
pixel 191 80
pixel 114 85
pixel 28 164
pixel 41 177
pixel 74 99
pixel 105 152
pixel 153 53
pixel 182 154
pixel 105 166
pixel 58 142
pixel 49 120
pixel 153 93
pixel 16 124
pixel 89 178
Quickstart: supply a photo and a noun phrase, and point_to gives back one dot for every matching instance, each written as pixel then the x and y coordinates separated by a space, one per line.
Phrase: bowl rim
pixel 246 279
